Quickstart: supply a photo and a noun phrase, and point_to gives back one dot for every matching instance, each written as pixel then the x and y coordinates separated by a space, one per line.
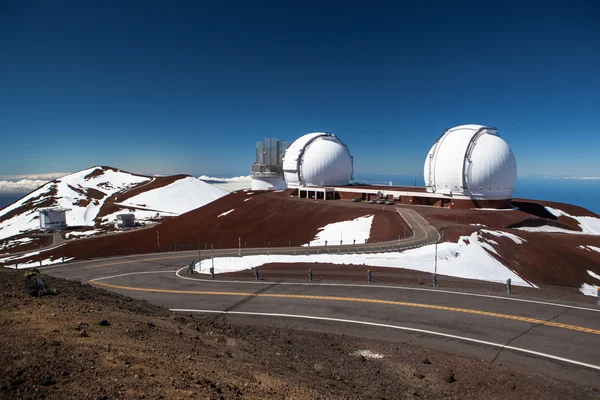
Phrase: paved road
pixel 558 340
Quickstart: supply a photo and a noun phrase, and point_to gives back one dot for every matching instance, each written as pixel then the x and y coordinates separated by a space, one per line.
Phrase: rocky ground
pixel 88 343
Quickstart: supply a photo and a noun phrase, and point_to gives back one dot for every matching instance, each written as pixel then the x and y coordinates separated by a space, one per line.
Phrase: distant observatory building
pixel 471 162
pixel 317 159
pixel 267 171
pixel 53 218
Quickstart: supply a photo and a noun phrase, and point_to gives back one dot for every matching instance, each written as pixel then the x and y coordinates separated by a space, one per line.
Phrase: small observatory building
pixel 124 221
pixel 267 171
pixel 53 218
pixel 317 159
pixel 471 162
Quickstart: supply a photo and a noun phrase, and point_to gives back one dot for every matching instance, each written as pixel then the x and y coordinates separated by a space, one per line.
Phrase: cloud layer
pixel 47 177
pixel 21 186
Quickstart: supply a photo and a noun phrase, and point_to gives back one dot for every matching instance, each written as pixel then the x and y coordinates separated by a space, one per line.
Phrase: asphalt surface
pixel 562 341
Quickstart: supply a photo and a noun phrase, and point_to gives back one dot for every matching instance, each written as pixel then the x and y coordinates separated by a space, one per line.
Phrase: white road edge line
pixel 404 328
pixel 131 273
pixel 489 296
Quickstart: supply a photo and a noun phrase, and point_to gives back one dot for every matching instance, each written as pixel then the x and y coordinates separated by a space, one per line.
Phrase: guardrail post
pixel 310 274
pixel 369 276
pixel 598 295
pixel 212 272
pixel 326 243
pixel 354 241
pixel 16 266
pixel 508 286
pixel 123 250
pixel 256 273
pixel 175 246
pixel 434 281
pixel 289 243
pixel 63 260
pixel 142 250
pixel 40 263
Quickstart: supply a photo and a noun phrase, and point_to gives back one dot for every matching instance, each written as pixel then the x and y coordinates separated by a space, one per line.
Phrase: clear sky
pixel 190 86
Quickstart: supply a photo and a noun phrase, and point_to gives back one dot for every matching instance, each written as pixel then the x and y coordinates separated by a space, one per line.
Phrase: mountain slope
pixel 91 197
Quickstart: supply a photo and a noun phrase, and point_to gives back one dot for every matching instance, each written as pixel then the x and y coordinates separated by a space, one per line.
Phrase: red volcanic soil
pixel 260 219
pixel 546 258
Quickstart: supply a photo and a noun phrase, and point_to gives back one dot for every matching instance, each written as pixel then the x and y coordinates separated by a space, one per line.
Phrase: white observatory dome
pixel 317 159
pixel 471 160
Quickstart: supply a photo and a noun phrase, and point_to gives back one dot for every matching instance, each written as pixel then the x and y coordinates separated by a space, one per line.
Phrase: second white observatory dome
pixel 317 159
pixel 471 160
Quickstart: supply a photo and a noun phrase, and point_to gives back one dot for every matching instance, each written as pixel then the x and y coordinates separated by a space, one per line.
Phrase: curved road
pixel 562 341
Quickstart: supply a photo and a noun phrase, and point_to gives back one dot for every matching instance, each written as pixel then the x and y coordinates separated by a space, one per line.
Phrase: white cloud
pixel 47 177
pixel 22 186
pixel 234 179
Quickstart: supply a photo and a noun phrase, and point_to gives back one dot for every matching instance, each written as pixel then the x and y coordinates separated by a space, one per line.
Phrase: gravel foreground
pixel 88 343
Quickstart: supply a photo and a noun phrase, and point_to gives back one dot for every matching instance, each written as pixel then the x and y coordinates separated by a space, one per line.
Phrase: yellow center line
pixel 360 300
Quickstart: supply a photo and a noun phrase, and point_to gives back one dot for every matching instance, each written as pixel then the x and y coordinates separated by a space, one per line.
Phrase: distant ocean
pixel 581 192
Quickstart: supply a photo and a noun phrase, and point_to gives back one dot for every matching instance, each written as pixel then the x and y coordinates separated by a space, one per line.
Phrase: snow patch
pixel 590 248
pixel 358 229
pixel 225 213
pixel 512 237
pixel 249 198
pixel 593 274
pixel 588 225
pixel 10 261
pixel 589 290
pixel 469 258
pixel 14 243
pixel 548 229
pixel 84 233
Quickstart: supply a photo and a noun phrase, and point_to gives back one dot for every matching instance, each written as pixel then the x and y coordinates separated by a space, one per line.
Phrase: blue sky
pixel 189 87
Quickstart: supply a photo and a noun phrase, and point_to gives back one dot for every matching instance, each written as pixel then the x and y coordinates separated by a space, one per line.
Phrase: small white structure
pixel 317 159
pixel 471 161
pixel 267 171
pixel 125 221
pixel 53 218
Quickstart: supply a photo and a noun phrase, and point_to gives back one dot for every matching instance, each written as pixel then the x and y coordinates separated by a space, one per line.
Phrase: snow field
pixel 469 258
pixel 179 197
pixel 357 230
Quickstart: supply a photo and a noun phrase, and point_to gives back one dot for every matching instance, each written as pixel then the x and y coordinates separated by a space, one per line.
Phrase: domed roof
pixel 317 159
pixel 471 160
